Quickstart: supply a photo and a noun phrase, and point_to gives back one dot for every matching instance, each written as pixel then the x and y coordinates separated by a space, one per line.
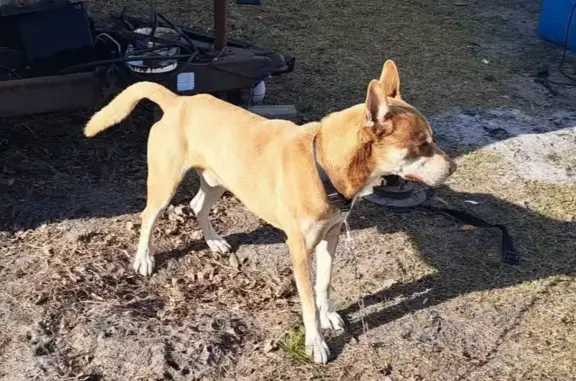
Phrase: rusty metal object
pixel 220 27
pixel 48 94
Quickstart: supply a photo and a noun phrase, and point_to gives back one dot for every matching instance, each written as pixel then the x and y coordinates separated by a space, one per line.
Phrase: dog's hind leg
pixel 208 193
pixel 165 171
pixel 324 256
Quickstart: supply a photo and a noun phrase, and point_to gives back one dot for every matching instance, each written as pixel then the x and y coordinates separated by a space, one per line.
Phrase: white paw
pixel 331 320
pixel 144 264
pixel 317 349
pixel 219 245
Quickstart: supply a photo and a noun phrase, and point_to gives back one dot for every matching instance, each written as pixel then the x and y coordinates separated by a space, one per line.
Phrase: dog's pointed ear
pixel 390 80
pixel 376 105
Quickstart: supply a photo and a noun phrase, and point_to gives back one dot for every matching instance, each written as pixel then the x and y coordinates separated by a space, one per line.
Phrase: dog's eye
pixel 425 149
pixel 420 149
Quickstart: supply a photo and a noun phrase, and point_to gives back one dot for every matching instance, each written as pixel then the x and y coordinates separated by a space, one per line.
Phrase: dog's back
pixel 246 152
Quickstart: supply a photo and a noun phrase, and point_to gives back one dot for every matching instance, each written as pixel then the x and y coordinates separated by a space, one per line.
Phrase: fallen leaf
pixel 468 228
pixel 40 299
pixel 119 273
pixel 179 210
pixel 269 346
pixel 234 261
pixel 171 230
pixel 281 302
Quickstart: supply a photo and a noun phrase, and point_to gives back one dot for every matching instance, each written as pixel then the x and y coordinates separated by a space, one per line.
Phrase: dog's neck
pixel 344 156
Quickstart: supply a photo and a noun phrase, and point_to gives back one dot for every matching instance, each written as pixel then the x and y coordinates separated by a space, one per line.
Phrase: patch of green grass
pixel 293 345
pixel 476 166
pixel 552 200
pixel 478 159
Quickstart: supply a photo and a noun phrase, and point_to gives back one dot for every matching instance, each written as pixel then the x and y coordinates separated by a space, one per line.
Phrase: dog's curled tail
pixel 123 104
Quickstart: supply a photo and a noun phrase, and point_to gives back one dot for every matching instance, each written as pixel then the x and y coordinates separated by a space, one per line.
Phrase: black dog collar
pixel 336 198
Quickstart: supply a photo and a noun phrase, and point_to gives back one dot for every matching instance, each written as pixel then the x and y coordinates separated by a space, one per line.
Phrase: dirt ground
pixel 439 304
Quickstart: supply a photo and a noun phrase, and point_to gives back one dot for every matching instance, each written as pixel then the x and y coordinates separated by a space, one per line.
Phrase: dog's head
pixel 400 137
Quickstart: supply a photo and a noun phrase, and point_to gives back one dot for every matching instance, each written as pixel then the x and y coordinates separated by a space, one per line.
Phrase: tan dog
pixel 269 166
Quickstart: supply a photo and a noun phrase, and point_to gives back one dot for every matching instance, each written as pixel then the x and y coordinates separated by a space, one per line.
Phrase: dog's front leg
pixel 324 256
pixel 316 347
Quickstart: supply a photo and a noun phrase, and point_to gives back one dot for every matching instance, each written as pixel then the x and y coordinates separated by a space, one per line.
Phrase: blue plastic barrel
pixel 556 18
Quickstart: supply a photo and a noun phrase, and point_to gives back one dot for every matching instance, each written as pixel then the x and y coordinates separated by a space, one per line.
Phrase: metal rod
pixel 220 32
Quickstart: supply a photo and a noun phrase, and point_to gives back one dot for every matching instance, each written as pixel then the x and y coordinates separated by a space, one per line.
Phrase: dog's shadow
pixel 465 262
pixel 264 235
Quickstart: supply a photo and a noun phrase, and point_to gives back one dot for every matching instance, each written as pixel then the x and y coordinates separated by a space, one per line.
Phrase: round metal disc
pixel 399 198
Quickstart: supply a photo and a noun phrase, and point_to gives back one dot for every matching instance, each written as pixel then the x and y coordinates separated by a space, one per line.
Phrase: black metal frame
pixel 230 66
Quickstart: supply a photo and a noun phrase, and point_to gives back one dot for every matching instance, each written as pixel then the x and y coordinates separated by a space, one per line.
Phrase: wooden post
pixel 220 16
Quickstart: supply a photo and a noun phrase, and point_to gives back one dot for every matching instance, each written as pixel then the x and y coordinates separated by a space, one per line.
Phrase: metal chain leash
pixel 350 246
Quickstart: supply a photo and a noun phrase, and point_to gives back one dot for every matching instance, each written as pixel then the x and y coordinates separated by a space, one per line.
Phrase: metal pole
pixel 220 16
